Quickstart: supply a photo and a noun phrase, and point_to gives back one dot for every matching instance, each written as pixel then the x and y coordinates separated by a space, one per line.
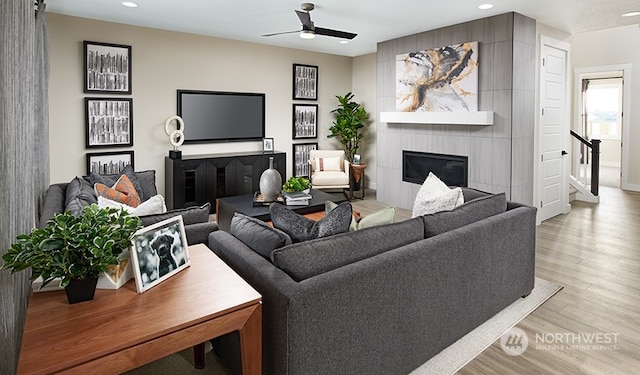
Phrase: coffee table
pixel 227 206
pixel 120 329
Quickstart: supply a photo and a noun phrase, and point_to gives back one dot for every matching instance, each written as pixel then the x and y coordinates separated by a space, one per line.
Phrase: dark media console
pixel 197 179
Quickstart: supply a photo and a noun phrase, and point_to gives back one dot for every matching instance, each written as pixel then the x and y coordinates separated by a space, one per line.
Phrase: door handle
pixel 564 152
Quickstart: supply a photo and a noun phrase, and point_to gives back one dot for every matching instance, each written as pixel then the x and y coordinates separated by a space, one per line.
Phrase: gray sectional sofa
pixel 383 300
pixel 79 192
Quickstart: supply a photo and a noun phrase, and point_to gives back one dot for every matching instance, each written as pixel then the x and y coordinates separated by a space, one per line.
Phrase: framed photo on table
pixel 305 121
pixel 158 252
pixel 108 122
pixel 267 145
pixel 301 166
pixel 108 162
pixel 107 68
pixel 305 82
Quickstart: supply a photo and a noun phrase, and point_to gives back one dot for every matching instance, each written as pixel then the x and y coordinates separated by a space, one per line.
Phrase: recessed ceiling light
pixel 631 14
pixel 130 4
pixel 344 42
pixel 485 6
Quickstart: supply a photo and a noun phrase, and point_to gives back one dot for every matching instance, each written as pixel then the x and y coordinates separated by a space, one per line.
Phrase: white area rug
pixel 463 351
pixel 446 362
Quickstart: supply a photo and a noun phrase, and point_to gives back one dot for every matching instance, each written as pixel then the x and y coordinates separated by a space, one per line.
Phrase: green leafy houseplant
pixel 350 120
pixel 73 247
pixel 296 184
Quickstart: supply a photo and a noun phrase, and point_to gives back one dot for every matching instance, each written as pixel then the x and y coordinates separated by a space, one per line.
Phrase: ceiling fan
pixel 309 30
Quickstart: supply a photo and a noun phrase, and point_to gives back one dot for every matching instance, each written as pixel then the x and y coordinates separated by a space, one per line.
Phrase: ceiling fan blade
pixel 334 33
pixel 284 32
pixel 305 18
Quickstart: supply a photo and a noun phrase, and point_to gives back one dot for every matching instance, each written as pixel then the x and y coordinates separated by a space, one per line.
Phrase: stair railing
pixel 583 159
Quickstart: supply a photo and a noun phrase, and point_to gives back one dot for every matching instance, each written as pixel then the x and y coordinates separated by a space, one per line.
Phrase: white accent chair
pixel 336 174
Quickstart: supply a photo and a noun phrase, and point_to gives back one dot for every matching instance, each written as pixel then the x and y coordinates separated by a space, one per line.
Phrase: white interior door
pixel 554 129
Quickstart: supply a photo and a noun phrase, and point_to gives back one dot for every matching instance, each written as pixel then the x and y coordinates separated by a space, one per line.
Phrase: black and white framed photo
pixel 267 145
pixel 108 122
pixel 107 68
pixel 108 162
pixel 159 251
pixel 305 82
pixel 301 165
pixel 305 121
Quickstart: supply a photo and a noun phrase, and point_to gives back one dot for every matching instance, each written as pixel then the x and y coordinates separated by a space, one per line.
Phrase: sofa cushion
pixel 470 212
pixel 300 228
pixel 434 196
pixel 144 181
pixel 122 191
pixel 190 215
pixel 303 260
pixel 386 215
pixel 470 194
pixel 257 235
pixel 79 194
pixel 330 178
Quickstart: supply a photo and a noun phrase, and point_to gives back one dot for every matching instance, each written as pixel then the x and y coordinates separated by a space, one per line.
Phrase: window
pixel 603 101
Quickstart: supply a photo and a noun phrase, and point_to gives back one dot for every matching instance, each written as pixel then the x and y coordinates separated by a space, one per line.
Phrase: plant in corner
pixel 350 121
pixel 73 248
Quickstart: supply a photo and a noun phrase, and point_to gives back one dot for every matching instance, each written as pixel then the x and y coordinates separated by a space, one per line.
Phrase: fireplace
pixel 451 169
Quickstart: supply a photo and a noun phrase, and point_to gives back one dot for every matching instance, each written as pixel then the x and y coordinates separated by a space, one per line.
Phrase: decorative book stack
pixel 297 198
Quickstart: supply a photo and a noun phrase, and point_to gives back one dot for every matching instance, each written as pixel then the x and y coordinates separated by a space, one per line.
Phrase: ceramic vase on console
pixel 270 183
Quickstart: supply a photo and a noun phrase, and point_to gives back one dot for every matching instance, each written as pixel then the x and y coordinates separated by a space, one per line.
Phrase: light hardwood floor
pixel 594 253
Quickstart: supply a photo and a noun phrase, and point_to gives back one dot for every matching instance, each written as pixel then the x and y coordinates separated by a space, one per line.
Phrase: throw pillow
pixel 470 212
pixel 122 191
pixel 386 215
pixel 434 196
pixel 327 164
pixel 257 235
pixel 190 215
pixel 152 206
pixel 144 181
pixel 79 194
pixel 300 228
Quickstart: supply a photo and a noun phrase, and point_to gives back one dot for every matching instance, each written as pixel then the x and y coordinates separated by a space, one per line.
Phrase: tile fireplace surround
pixel 500 156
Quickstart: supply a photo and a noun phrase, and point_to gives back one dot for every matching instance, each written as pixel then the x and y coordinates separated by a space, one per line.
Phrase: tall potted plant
pixel 348 127
pixel 350 121
pixel 75 249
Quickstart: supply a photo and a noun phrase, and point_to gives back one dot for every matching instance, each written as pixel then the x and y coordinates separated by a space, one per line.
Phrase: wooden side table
pixel 357 176
pixel 120 329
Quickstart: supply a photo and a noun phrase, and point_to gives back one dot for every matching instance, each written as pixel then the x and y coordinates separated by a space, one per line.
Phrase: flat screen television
pixel 216 116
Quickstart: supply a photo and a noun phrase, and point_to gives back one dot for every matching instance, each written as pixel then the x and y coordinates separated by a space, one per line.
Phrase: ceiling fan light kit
pixel 307 34
pixel 309 31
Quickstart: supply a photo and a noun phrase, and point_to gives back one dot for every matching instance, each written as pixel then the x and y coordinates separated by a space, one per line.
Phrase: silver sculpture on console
pixel 176 137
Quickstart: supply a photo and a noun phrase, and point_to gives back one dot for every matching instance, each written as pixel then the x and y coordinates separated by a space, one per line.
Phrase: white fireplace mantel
pixel 442 118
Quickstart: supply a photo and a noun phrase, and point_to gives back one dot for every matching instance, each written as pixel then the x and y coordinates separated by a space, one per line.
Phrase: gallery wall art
pixel 441 79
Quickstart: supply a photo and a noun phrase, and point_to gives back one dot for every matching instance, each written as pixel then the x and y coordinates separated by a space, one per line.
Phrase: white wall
pixel 164 61
pixel 612 47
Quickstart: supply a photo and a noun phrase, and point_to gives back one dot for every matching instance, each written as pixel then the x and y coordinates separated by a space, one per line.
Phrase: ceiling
pixel 373 21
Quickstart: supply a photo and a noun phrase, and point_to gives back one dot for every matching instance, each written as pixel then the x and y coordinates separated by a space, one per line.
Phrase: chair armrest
pixel 347 167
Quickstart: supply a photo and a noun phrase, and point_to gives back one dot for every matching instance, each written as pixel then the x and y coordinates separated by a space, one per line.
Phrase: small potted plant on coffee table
pixel 75 249
pixel 296 184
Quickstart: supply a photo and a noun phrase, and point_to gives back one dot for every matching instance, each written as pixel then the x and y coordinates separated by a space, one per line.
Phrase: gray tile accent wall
pixel 501 155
